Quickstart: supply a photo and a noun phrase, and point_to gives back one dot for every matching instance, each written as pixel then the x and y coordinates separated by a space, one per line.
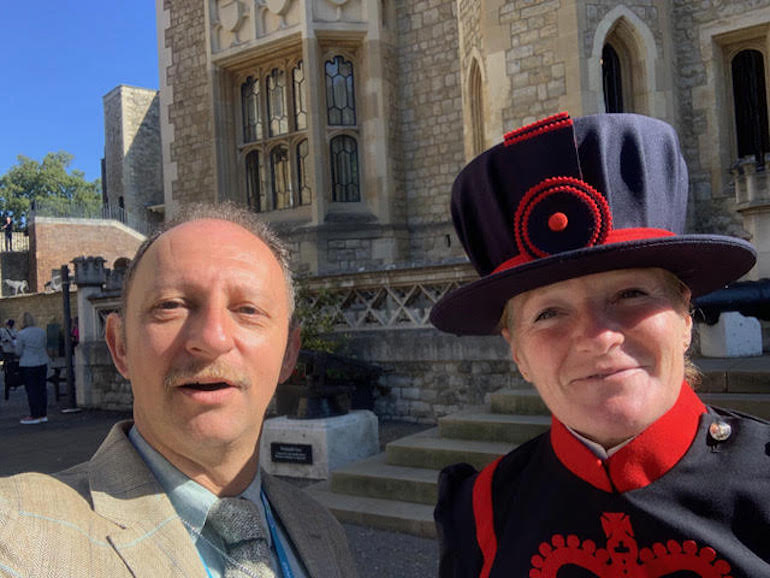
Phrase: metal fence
pixel 73 210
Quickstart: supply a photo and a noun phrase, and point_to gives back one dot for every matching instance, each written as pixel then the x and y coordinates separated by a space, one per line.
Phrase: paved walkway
pixel 68 439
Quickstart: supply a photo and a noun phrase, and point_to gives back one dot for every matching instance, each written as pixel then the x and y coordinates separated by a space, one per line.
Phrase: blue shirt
pixel 192 502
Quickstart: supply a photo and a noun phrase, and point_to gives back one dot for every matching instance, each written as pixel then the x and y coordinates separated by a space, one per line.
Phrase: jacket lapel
pixel 150 537
pixel 305 530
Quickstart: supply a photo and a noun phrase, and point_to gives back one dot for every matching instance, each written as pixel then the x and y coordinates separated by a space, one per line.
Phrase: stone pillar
pixel 90 274
pixel 752 195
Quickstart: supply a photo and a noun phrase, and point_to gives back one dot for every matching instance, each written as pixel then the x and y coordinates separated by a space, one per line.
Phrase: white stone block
pixel 732 336
pixel 332 442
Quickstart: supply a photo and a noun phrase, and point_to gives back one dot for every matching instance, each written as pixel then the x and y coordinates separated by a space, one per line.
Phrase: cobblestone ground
pixel 68 439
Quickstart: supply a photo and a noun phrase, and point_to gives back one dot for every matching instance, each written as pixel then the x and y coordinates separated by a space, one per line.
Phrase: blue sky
pixel 57 60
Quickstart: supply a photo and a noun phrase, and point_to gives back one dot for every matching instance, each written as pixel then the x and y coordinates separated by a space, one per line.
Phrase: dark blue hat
pixel 562 198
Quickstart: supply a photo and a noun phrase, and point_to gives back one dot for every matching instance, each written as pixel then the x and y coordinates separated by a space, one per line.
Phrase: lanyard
pixel 279 549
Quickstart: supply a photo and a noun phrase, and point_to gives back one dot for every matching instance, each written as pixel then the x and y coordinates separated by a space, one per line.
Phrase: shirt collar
pixel 190 500
pixel 641 460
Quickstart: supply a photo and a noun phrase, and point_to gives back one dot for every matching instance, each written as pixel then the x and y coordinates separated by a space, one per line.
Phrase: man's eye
pixel 168 305
pixel 248 310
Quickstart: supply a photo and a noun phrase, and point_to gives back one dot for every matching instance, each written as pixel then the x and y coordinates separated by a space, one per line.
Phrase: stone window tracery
pixel 344 165
pixel 273 115
pixel 340 92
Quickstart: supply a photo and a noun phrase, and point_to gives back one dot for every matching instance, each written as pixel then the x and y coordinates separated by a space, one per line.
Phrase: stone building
pixel 345 122
pixel 132 174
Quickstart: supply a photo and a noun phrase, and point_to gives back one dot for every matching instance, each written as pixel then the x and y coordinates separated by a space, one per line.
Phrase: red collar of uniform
pixel 641 461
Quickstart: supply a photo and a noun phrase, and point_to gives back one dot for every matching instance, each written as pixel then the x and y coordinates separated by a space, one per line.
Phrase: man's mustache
pixel 205 373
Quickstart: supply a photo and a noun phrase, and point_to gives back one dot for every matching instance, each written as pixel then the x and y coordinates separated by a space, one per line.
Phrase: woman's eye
pixel 631 293
pixel 545 315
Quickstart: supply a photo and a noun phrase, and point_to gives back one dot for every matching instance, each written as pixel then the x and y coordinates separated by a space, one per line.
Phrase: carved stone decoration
pixel 280 7
pixel 231 14
pixel 338 4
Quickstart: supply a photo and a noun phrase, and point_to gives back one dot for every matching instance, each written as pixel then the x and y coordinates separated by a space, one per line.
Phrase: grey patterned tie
pixel 239 524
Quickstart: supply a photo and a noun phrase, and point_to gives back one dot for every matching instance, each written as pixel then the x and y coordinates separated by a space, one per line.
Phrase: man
pixel 576 230
pixel 204 336
pixel 8 229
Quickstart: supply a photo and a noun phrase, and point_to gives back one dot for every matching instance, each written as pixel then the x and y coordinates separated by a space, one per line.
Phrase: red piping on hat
pixel 557 121
pixel 614 236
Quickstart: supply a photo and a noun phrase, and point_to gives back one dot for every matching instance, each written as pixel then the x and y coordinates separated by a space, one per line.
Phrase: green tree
pixel 48 184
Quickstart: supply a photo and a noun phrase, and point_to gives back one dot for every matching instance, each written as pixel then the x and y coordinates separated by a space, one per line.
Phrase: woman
pixel 33 361
pixel 574 227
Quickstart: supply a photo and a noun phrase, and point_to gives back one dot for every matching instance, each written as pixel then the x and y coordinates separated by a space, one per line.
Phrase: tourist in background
pixel 33 360
pixel 8 229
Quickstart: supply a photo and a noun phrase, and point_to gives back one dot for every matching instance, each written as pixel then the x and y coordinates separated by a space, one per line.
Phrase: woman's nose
pixel 597 331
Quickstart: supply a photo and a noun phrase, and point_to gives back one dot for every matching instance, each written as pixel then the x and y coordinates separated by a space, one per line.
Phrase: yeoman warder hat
pixel 562 198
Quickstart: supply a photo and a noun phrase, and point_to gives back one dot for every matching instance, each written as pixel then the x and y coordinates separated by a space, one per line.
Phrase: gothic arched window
pixel 612 80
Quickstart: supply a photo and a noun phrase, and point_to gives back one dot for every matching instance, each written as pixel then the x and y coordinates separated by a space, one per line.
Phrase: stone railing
pixel 384 300
pixel 752 187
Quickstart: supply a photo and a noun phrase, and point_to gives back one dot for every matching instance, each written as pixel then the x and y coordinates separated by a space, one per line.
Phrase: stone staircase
pixel 396 490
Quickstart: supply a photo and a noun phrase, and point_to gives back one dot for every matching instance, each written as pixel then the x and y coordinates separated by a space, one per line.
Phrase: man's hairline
pixel 150 241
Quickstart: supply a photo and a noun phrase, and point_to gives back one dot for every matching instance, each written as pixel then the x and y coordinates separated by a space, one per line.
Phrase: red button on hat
pixel 557 222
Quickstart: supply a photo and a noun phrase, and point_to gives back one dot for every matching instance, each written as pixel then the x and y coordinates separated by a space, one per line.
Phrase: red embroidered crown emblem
pixel 622 557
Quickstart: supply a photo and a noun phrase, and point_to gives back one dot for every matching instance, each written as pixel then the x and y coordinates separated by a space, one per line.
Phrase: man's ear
pixel 115 337
pixel 293 345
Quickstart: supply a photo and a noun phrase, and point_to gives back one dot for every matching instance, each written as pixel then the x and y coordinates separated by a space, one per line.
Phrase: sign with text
pixel 291 453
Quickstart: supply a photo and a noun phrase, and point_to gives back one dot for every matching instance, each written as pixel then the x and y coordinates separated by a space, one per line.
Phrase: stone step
pixel 734 374
pixel 476 424
pixel 427 449
pixel 757 404
pixel 375 478
pixel 517 401
pixel 392 515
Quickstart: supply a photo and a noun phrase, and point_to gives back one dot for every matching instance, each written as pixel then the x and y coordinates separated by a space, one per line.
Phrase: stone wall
pixel 429 374
pixel 107 388
pixel 190 115
pixel 705 123
pixel 133 159
pixel 45 307
pixel 430 123
pixel 58 241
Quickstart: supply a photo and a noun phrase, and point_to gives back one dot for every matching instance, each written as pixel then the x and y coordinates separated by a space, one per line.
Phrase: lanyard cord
pixel 279 549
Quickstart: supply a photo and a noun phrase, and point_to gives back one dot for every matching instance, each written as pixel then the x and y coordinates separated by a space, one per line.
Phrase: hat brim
pixel 704 263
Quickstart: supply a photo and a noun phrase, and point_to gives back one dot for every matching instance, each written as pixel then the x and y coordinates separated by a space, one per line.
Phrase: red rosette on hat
pixel 561 214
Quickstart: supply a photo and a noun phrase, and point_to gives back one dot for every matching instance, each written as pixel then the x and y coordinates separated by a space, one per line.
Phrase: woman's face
pixel 605 351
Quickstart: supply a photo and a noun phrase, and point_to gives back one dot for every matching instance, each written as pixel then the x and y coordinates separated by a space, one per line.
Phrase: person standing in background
pixel 8 229
pixel 33 360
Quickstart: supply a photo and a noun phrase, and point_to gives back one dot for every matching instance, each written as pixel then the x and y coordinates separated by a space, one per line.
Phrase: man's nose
pixel 209 331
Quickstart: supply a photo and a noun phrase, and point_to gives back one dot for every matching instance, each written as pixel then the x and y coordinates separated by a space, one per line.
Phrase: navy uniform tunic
pixel 688 497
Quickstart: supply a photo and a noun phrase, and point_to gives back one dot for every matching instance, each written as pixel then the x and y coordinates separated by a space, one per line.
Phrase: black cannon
pixel 749 298
pixel 325 385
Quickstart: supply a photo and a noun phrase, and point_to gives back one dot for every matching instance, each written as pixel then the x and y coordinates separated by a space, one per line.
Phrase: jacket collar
pixel 150 535
pixel 642 460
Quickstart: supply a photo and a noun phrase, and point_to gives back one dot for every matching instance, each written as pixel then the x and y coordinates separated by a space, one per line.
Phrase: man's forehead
pixel 204 241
